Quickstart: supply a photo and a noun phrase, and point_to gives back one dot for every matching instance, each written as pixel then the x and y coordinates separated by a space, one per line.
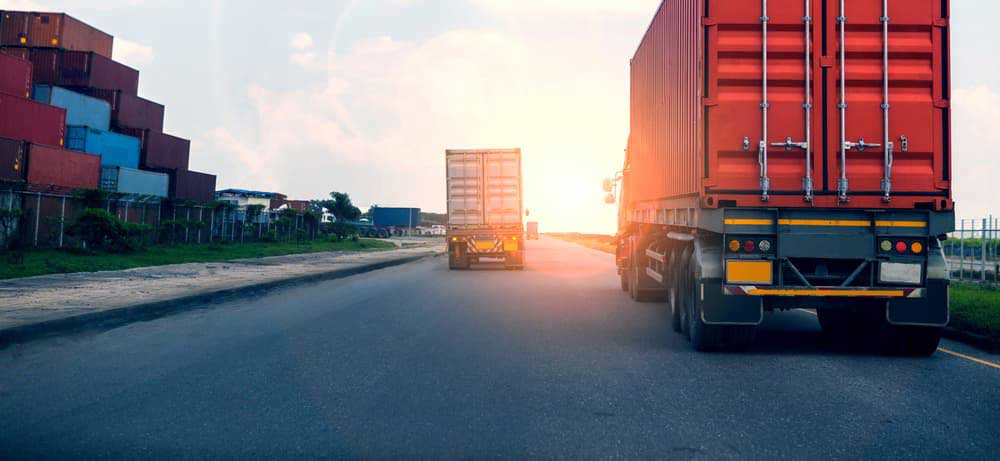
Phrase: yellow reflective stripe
pixel 824 223
pixel 900 224
pixel 749 222
pixel 829 293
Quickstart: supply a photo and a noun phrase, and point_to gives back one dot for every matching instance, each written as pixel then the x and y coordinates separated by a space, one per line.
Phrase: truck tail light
pixel 764 246
pixel 901 247
pixel 749 246
pixel 735 246
pixel 917 248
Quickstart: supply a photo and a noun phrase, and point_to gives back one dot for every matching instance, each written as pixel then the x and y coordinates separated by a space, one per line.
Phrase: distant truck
pixel 388 222
pixel 484 207
pixel 532 233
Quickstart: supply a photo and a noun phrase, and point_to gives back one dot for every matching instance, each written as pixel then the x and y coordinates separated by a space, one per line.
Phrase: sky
pixel 364 96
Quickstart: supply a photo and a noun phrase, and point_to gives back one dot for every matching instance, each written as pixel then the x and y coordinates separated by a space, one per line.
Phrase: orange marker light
pixel 734 246
pixel 917 247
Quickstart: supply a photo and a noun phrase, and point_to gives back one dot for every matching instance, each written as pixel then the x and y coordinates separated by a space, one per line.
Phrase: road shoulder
pixel 38 306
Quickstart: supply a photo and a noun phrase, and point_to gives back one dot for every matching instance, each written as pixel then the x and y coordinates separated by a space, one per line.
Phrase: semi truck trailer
pixel 791 154
pixel 484 207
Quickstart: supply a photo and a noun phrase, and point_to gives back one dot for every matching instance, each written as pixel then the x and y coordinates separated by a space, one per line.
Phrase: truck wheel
pixel 675 311
pixel 704 337
pixel 917 341
pixel 383 234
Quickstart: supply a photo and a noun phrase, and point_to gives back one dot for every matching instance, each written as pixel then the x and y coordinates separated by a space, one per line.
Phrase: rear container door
pixel 465 189
pixel 502 188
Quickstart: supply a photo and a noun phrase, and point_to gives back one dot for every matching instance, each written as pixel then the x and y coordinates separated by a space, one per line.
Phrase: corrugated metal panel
pixel 81 110
pixel 80 68
pixel 697 100
pixel 160 150
pixel 51 166
pixel 396 217
pixel 136 112
pixel 665 105
pixel 115 149
pixel 16 76
pixel 31 121
pixel 134 182
pixel 193 186
pixel 12 159
pixel 14 28
pixel 60 30
pixel 20 53
pixel 484 188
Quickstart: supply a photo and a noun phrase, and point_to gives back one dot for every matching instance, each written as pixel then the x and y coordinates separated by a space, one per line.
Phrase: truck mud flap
pixel 931 310
pixel 718 309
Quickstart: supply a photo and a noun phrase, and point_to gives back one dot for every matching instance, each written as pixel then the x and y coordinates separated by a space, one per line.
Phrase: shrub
pixel 101 230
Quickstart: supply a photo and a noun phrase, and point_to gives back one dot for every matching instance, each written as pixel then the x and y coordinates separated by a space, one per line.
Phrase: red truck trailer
pixel 791 154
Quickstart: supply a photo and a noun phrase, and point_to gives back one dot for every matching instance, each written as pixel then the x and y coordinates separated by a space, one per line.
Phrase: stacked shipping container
pixel 87 102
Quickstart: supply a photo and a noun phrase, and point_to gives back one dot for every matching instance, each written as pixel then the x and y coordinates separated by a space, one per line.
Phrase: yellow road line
pixel 949 352
pixel 970 358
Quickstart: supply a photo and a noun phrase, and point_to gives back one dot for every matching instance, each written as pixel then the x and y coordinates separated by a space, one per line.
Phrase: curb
pixel 163 308
pixel 986 343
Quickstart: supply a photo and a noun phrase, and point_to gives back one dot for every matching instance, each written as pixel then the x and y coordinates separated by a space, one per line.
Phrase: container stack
pixel 71 117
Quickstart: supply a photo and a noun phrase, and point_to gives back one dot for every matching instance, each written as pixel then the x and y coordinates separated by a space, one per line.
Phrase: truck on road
pixel 484 207
pixel 791 154
pixel 388 222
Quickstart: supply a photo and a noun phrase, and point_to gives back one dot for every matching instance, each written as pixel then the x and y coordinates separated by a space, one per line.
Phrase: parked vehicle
pixel 791 173
pixel 532 233
pixel 484 207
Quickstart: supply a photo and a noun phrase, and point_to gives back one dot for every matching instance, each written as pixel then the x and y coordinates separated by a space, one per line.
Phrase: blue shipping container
pixel 115 149
pixel 81 110
pixel 134 182
pixel 396 217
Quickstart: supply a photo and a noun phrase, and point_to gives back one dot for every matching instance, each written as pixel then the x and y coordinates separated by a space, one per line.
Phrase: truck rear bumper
pixel 825 292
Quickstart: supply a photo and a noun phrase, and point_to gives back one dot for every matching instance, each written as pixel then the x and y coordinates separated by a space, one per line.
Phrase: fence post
pixel 961 249
pixel 211 226
pixel 187 225
pixel 982 256
pixel 62 221
pixel 201 221
pixel 38 216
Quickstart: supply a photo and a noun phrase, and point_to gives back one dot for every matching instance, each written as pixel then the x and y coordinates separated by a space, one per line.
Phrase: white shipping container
pixel 134 182
pixel 484 188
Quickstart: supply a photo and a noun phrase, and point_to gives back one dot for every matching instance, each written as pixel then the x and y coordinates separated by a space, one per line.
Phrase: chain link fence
pixel 973 251
pixel 40 220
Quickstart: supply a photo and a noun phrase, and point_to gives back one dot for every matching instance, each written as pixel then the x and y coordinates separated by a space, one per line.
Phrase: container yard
pixel 755 183
pixel 81 110
pixel 71 119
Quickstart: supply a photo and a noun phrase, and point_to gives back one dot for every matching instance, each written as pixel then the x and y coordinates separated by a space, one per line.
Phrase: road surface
pixel 553 362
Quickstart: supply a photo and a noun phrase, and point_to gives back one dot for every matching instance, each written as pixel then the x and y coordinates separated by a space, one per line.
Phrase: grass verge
pixel 45 262
pixel 975 309
pixel 605 243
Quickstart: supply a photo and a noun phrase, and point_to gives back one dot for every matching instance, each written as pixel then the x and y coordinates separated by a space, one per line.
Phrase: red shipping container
pixel 193 186
pixel 21 53
pixel 81 68
pixel 12 159
pixel 61 30
pixel 16 76
pixel 51 166
pixel 698 106
pixel 14 28
pixel 160 150
pixel 31 121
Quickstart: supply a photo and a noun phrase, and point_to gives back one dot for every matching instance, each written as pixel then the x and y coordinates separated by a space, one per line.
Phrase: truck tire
pixel 382 233
pixel 624 280
pixel 704 337
pixel 916 341
pixel 676 320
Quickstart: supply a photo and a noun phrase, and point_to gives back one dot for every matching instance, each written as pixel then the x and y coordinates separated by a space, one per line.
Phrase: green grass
pixel 975 309
pixel 61 262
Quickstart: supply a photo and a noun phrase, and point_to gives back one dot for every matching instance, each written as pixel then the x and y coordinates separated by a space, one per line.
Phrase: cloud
pixel 132 54
pixel 976 126
pixel 303 47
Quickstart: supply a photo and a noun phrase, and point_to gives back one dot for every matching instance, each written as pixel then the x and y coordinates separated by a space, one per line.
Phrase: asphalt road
pixel 417 361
